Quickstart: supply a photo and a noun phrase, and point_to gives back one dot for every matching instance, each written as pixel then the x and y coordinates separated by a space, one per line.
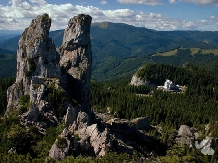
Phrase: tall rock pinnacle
pixel 36 59
pixel 36 55
pixel 76 58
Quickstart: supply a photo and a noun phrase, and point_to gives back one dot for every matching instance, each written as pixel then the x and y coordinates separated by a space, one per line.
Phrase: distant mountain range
pixel 120 49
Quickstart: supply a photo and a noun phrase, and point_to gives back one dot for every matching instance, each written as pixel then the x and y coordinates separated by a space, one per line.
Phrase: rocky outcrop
pixel 206 145
pixel 136 81
pixel 185 135
pixel 76 59
pixel 49 78
pixel 141 123
pixel 97 140
pixel 54 85
pixel 36 59
pixel 37 69
pixel 117 135
pixel 190 136
pixel 60 148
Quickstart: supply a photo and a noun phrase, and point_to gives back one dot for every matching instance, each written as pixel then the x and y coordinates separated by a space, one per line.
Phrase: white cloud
pixel 214 19
pixel 160 22
pixel 38 1
pixel 103 2
pixel 145 2
pixel 19 13
pixel 203 2
pixel 172 1
pixel 197 2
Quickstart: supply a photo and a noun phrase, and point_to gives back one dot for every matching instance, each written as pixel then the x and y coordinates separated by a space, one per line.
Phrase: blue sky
pixel 164 15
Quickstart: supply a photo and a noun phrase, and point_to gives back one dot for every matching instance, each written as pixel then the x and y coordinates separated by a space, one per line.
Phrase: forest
pixel 195 107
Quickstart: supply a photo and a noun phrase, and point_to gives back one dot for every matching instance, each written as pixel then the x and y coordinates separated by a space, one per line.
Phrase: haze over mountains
pixel 120 49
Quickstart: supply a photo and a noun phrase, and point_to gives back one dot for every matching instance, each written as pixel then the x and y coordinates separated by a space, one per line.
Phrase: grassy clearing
pixel 165 54
pixel 193 52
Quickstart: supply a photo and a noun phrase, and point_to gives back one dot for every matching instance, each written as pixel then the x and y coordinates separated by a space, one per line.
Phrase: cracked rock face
pixel 36 59
pixel 41 68
pixel 136 81
pixel 76 59
pixel 37 52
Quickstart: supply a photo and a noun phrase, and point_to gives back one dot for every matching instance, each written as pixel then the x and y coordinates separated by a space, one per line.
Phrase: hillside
pixel 194 51
pixel 180 120
pixel 54 112
pixel 119 49
pixel 7 63
pixel 10 44
pixel 5 35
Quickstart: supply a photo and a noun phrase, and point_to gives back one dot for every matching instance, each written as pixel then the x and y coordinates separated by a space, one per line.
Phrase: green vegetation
pixel 4 84
pixel 27 73
pixel 24 104
pixel 31 67
pixel 157 74
pixel 36 86
pixel 45 17
pixel 61 142
pixel 184 55
pixel 57 98
pixel 196 107
pixel 193 52
pixel 31 63
pixel 7 65
pixel 120 49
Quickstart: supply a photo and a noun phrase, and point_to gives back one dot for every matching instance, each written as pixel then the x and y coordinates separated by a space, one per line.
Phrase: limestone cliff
pixel 52 80
pixel 76 59
pixel 37 59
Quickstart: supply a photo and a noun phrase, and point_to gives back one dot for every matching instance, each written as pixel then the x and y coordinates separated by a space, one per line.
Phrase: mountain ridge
pixel 113 44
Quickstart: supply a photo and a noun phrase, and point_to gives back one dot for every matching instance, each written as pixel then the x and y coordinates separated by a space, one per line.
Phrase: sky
pixel 161 15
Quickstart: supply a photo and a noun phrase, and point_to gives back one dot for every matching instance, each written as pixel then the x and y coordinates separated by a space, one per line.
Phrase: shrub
pixel 31 63
pixel 61 142
pixel 57 98
pixel 27 73
pixel 24 104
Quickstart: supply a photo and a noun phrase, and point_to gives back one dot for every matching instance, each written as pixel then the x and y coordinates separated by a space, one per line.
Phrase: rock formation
pixel 37 59
pixel 206 145
pixel 53 81
pixel 136 81
pixel 76 58
pixel 76 68
pixel 118 135
pixel 190 136
pixel 54 85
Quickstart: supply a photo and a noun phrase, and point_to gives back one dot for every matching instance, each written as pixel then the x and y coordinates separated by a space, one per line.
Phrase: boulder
pixel 141 123
pixel 185 131
pixel 60 148
pixel 71 115
pixel 185 135
pixel 206 146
